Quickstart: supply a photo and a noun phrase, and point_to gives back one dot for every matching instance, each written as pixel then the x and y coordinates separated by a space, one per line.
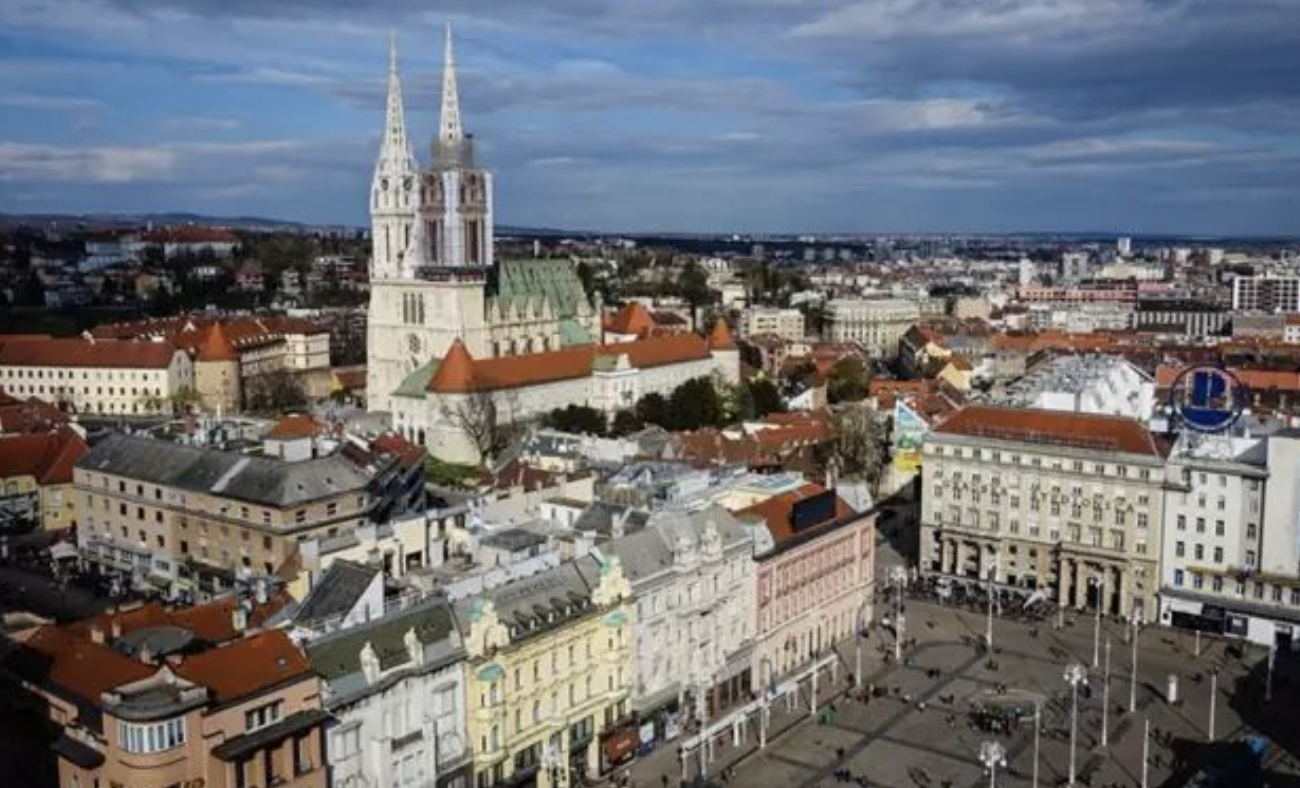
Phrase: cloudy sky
pixel 738 115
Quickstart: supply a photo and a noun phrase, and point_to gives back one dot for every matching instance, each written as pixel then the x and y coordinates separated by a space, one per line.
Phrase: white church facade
pixel 451 329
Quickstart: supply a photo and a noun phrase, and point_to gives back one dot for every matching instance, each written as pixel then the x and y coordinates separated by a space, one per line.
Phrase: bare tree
pixel 486 419
pixel 859 447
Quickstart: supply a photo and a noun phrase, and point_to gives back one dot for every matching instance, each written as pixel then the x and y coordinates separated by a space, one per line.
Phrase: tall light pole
pixel 1133 676
pixel 1214 696
pixel 1038 721
pixel 994 756
pixel 1096 621
pixel 1105 699
pixel 993 571
pixel 1268 677
pixel 1075 674
pixel 898 575
pixel 1146 750
pixel 857 646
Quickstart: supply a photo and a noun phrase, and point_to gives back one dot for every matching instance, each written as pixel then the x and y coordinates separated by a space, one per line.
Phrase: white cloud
pixel 47 163
pixel 202 123
pixel 49 102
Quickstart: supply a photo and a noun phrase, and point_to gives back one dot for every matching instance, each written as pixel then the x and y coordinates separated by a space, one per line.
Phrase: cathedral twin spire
pixel 396 155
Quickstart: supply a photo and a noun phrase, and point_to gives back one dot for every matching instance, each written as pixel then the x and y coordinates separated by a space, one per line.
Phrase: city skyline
pixel 918 116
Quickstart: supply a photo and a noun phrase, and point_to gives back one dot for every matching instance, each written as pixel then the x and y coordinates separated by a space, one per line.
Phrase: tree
pixel 184 399
pixel 765 397
pixel 626 422
pixel 652 409
pixel 480 417
pixel 695 404
pixel 275 392
pixel 577 418
pixel 694 285
pixel 847 381
pixel 859 446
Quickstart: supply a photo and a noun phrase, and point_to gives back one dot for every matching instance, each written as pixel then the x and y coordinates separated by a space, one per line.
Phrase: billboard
pixel 909 431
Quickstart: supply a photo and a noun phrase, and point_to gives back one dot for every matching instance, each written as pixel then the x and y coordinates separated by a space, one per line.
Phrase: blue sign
pixel 1208 399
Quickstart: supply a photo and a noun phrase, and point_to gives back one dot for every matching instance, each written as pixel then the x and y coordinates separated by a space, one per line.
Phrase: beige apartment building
pixel 1068 504
pixel 95 375
pixel 151 697
pixel 787 324
pixel 194 520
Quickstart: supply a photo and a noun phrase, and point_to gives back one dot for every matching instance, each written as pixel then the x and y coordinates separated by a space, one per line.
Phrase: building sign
pixel 1208 399
pixel 909 431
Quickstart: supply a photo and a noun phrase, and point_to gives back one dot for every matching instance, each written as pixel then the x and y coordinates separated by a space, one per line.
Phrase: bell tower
pixel 456 202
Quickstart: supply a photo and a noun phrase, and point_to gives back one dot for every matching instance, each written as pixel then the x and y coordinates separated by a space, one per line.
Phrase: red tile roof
pixel 191 235
pixel 776 511
pixel 33 415
pixel 214 346
pixel 247 666
pixel 295 426
pixel 391 443
pixel 460 373
pixel 1054 428
pixel 77 665
pixel 48 457
pixel 455 374
pixel 720 338
pixel 1256 379
pixel 116 354
pixel 632 319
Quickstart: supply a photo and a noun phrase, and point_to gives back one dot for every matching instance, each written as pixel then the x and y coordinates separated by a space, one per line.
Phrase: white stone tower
pixel 457 196
pixel 393 190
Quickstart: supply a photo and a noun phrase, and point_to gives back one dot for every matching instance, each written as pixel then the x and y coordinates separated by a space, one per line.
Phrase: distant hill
pixel 139 219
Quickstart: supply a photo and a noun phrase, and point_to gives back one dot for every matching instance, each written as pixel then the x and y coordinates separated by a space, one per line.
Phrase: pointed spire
pixel 449 130
pixel 455 375
pixel 395 155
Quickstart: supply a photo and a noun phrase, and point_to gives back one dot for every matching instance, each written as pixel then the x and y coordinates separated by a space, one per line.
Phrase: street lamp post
pixel 857 656
pixel 1268 677
pixel 1133 676
pixel 1214 696
pixel 1038 721
pixel 1105 699
pixel 898 575
pixel 1075 674
pixel 1096 622
pixel 1146 750
pixel 994 756
pixel 988 637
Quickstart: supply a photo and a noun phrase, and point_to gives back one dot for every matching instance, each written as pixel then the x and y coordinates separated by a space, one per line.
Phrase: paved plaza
pixel 920 732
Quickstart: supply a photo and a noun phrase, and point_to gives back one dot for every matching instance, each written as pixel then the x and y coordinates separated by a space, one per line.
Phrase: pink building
pixel 814 576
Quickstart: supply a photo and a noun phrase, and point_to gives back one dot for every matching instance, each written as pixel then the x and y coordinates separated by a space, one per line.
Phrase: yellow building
pixel 549 676
pixel 36 478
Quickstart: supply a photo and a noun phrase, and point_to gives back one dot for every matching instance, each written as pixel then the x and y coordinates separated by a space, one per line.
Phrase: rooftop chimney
pixel 239 618
pixel 116 629
pixel 97 634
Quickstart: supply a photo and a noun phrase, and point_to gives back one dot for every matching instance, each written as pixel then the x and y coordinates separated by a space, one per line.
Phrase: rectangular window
pixel 262 716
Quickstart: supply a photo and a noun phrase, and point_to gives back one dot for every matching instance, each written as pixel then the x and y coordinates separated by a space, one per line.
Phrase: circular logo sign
pixel 1208 399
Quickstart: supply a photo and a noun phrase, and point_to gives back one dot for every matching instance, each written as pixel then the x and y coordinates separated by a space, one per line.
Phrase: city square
pixel 918 725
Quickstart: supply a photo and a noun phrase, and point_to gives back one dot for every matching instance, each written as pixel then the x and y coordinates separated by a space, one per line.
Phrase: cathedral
pixel 433 274
pixel 453 333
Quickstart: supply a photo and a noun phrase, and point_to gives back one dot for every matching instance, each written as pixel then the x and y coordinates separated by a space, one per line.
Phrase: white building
pixel 1232 520
pixel 692 577
pixel 786 324
pixel 1107 385
pixel 395 688
pixel 1266 293
pixel 96 375
pixel 875 323
pixel 445 404
pixel 1066 503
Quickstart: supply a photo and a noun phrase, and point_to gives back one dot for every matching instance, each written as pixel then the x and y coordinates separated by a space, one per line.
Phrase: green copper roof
pixel 554 281
pixel 572 333
pixel 415 384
